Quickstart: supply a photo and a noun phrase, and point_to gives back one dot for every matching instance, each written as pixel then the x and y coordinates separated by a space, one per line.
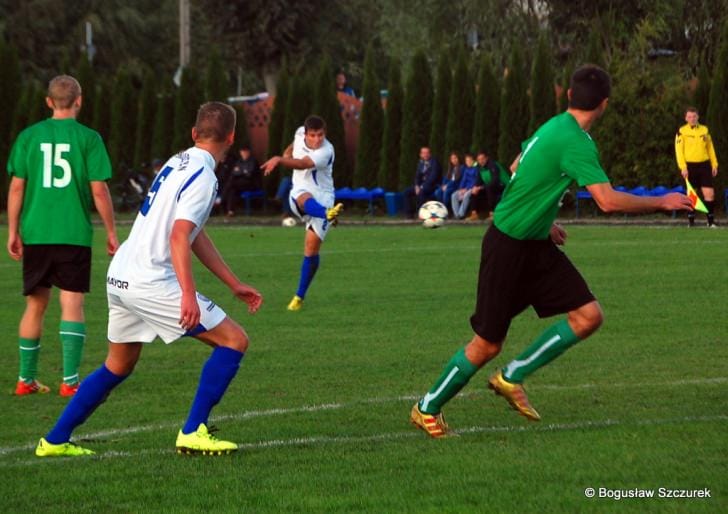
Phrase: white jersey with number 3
pixel 319 180
pixel 184 189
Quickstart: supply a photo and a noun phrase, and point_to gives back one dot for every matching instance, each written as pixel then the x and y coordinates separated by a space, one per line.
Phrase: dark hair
pixel 482 152
pixel 215 121
pixel 468 154
pixel 245 147
pixel 690 108
pixel 589 85
pixel 314 122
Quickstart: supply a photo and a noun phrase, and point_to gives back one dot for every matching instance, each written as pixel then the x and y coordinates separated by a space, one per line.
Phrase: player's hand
pixel 112 244
pixel 676 202
pixel 15 246
pixel 684 173
pixel 558 234
pixel 189 316
pixel 249 295
pixel 270 165
pixel 715 172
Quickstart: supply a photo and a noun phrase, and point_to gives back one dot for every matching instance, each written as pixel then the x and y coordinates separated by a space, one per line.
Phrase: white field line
pixel 395 436
pixel 338 406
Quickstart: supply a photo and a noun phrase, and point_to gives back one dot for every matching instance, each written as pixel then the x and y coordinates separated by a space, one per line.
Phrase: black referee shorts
pixel 67 267
pixel 516 274
pixel 700 174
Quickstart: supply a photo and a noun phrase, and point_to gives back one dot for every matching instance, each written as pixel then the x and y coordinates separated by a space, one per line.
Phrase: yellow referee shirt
pixel 693 144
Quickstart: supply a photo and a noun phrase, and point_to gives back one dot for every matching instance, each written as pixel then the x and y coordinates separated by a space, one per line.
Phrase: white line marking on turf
pixel 337 406
pixel 394 436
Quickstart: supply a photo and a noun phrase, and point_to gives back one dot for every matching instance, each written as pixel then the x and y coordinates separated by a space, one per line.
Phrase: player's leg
pixel 119 364
pixel 229 342
pixel 309 266
pixel 72 332
pixel 709 197
pixel 308 205
pixel 29 332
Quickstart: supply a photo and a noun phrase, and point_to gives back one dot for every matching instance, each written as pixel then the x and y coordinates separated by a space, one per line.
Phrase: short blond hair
pixel 215 121
pixel 63 90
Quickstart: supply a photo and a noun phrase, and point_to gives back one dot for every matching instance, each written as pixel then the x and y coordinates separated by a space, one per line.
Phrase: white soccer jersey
pixel 185 188
pixel 319 180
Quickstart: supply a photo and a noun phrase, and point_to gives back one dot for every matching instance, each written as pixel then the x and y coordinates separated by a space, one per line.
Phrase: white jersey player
pixel 311 156
pixel 151 291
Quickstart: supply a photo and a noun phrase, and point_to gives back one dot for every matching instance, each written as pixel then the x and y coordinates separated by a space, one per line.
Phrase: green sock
pixel 456 374
pixel 554 341
pixel 73 334
pixel 29 350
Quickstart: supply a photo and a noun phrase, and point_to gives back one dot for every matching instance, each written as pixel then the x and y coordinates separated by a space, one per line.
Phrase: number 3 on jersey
pixel 152 194
pixel 50 159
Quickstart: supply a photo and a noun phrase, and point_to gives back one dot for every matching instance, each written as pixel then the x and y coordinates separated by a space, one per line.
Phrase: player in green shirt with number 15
pixel 57 168
pixel 521 265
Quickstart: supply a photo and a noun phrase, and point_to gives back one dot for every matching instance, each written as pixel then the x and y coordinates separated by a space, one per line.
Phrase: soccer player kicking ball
pixel 520 263
pixel 311 156
pixel 151 291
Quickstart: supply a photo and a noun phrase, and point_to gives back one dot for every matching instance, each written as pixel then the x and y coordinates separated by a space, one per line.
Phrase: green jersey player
pixel 521 265
pixel 58 167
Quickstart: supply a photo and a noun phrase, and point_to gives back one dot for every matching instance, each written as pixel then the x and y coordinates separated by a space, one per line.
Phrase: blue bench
pixel 362 193
pixel 639 191
pixel 249 196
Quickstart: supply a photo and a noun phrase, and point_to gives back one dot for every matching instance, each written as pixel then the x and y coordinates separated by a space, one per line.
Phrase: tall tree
pixel 461 110
pixel 487 106
pixel 147 103
pixel 102 109
pixel 85 75
pixel 163 131
pixel 718 106
pixel 216 79
pixel 370 126
pixel 326 104
pixel 441 107
pixel 123 121
pixel 187 101
pixel 543 95
pixel 10 92
pixel 514 108
pixel 416 117
pixel 388 177
pixel 242 138
pixel 702 91
pixel 278 114
pixel 594 50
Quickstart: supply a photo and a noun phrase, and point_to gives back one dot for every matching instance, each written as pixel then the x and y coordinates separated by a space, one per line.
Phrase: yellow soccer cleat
pixel 295 304
pixel 202 442
pixel 46 449
pixel 334 212
pixel 514 394
pixel 433 425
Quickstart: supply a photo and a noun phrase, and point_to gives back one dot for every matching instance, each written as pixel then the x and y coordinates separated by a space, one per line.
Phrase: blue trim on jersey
pixel 315 181
pixel 199 329
pixel 189 182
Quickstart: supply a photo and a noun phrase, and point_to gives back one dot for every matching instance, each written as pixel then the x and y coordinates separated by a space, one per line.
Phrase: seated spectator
pixel 494 177
pixel 427 178
pixel 245 175
pixel 470 185
pixel 341 85
pixel 222 172
pixel 451 181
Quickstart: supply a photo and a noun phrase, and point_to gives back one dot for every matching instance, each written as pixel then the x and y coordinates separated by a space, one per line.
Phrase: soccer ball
pixel 433 214
pixel 288 222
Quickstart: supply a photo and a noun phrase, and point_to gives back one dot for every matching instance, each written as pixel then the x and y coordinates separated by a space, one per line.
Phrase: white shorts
pixel 140 319
pixel 319 225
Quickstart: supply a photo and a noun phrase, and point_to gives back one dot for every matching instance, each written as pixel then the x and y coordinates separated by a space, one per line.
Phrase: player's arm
pixel 514 164
pixel 288 152
pixel 680 154
pixel 205 250
pixel 105 208
pixel 16 194
pixel 179 244
pixel 289 162
pixel 711 153
pixel 610 200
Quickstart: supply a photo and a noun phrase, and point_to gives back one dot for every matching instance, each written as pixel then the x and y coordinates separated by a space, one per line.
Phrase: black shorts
pixel 700 174
pixel 515 274
pixel 67 267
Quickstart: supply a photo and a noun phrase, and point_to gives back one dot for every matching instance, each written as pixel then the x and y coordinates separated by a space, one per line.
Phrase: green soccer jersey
pixel 58 158
pixel 559 153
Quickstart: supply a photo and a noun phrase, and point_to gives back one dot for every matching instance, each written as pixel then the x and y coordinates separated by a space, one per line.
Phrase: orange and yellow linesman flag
pixel 695 199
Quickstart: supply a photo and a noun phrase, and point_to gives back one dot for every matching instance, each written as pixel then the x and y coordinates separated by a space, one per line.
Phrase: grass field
pixel 321 403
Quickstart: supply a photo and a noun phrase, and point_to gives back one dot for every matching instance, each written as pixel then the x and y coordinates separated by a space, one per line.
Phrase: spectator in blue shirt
pixel 451 180
pixel 470 185
pixel 341 85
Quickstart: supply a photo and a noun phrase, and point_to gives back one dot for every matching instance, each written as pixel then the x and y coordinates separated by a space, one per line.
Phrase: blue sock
pixel 308 270
pixel 91 393
pixel 217 373
pixel 315 209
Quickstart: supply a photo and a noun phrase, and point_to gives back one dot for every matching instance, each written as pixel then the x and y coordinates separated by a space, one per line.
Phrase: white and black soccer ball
pixel 289 222
pixel 433 214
